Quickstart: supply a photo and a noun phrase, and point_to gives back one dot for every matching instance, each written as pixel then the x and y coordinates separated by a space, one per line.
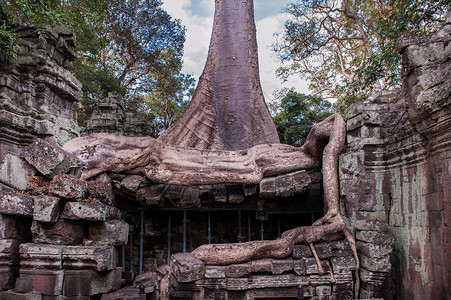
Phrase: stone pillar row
pixel 59 240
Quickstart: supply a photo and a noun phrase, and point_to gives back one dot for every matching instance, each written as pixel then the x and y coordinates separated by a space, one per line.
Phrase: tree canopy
pixel 295 114
pixel 347 48
pixel 133 47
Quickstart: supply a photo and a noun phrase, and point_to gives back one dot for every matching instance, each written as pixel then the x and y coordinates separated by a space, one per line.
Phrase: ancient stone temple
pixel 360 211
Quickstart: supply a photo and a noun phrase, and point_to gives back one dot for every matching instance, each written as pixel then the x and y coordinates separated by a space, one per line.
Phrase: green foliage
pixel 348 48
pixel 132 47
pixel 295 114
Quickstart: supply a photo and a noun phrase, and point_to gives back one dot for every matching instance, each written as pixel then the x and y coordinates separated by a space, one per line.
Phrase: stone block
pixel 9 252
pixel 371 224
pixel 186 267
pixel 149 280
pixel 62 232
pixel 12 295
pixel 343 264
pixel 237 284
pixel 375 237
pixel 300 251
pixel 49 159
pixel 311 266
pixel 41 256
pixel 101 190
pixel 16 204
pixel 14 227
pixel 47 208
pixel 375 264
pixel 323 250
pixel 100 258
pixel 46 282
pixel 127 293
pixel 90 211
pixel 372 250
pixel 261 266
pixel 342 291
pixel 299 267
pixel 151 195
pixel 277 281
pixel 238 270
pixel 215 271
pixel 114 232
pixel 89 282
pixel 131 183
pixel 220 192
pixel 68 187
pixel 174 192
pixel 369 276
pixel 8 277
pixel 280 266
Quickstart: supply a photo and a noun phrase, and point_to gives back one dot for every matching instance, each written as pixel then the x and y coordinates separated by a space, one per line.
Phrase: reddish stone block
pixel 90 282
pixel 46 282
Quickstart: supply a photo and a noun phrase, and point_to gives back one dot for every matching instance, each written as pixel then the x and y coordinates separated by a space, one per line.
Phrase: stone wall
pixel 397 168
pixel 38 96
pixel 111 117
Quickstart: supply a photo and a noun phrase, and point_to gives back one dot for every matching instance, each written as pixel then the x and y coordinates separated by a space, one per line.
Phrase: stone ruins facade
pixel 117 236
pixel 38 96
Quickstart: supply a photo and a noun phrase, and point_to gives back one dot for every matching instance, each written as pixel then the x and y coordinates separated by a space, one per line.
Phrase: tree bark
pixel 228 110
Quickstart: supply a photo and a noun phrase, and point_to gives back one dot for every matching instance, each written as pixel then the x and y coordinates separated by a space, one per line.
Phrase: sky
pixel 197 16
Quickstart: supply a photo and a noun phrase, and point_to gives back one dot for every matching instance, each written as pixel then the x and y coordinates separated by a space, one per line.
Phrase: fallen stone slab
pixel 63 232
pixel 127 293
pixel 15 227
pixel 113 232
pixel 16 204
pixel 41 256
pixel 90 211
pixel 100 258
pixel 131 183
pixel 148 280
pixel 46 282
pixel 68 187
pixel 186 267
pixel 47 208
pixel 51 160
pixel 89 282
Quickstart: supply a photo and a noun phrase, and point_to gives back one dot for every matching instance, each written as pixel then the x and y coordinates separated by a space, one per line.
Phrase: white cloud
pixel 198 38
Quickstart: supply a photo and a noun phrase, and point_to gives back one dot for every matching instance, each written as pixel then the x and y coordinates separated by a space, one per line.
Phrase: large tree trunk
pixel 228 111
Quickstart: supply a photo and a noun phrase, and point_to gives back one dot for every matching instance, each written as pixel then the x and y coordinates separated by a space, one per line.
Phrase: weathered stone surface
pixel 114 232
pixel 215 271
pixel 16 204
pixel 149 280
pixel 371 225
pixel 127 293
pixel 68 186
pixel 311 267
pixel 375 264
pixel 237 284
pixel 299 266
pixel 90 211
pixel 375 237
pixel 14 227
pixel 323 250
pixel 151 195
pixel 11 295
pixel 261 265
pixel 9 252
pixel 46 282
pixel 131 183
pixel 49 159
pixel 8 275
pixel 285 185
pixel 186 267
pixel 343 264
pixel 300 251
pixel 41 256
pixel 90 282
pixel 277 281
pixel 101 190
pixel 280 266
pixel 238 270
pixel 372 250
pixel 100 258
pixel 47 208
pixel 62 232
